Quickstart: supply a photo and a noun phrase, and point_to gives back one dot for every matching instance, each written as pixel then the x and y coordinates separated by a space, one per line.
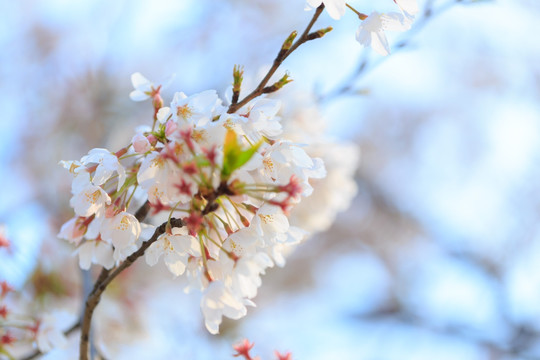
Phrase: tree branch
pixel 282 55
pixel 140 215
pixel 105 279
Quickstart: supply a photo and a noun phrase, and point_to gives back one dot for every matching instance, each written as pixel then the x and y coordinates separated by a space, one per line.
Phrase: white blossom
pixel 270 224
pixel 81 177
pixel 90 200
pixel 371 31
pixel 50 333
pixel 73 230
pixel 95 252
pixel 123 231
pixel 284 159
pixel 176 250
pixel 160 178
pixel 144 88
pixel 218 301
pixel 196 109
pixel 107 164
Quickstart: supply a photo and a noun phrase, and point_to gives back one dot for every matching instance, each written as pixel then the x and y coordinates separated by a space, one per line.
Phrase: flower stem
pixel 282 55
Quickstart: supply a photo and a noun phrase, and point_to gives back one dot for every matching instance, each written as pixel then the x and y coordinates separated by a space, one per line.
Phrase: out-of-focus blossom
pixel 50 331
pixel 371 31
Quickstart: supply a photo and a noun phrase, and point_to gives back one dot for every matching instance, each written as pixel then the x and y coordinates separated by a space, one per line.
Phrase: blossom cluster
pixel 231 177
pixel 370 33
pixel 16 329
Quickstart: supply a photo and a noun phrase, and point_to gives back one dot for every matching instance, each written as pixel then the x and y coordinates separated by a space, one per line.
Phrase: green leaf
pixel 234 155
pixel 247 154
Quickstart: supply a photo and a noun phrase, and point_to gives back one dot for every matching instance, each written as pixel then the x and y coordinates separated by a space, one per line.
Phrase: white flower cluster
pixel 371 30
pixel 303 122
pixel 232 178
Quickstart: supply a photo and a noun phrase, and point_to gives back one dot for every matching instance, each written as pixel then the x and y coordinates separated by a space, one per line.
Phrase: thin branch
pixel 140 215
pixel 347 86
pixel 282 55
pixel 105 279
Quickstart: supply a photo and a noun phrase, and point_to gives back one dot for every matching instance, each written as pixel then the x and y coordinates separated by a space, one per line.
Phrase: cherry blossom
pixel 107 164
pixel 73 230
pixel 196 109
pixel 371 31
pixel 232 178
pixel 218 301
pixel 50 333
pixel 144 88
pixel 91 200
pixel 123 231
pixel 176 249
pixel 95 252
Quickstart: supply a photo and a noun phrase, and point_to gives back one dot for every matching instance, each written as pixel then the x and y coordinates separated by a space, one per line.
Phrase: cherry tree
pixel 217 187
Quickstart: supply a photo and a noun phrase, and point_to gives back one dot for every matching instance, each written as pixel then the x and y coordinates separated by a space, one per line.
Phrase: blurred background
pixel 438 256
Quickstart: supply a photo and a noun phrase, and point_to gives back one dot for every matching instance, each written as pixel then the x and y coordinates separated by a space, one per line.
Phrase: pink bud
pixel 244 220
pixel 141 144
pixel 152 139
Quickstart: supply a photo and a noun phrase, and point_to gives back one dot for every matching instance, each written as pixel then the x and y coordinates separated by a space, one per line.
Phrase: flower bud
pixel 141 143
pixel 152 139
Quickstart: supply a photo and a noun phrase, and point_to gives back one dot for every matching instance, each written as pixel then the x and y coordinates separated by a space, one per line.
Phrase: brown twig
pixel 105 279
pixel 282 55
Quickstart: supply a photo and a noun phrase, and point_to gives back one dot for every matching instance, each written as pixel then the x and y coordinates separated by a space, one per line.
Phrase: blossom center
pixel 184 112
